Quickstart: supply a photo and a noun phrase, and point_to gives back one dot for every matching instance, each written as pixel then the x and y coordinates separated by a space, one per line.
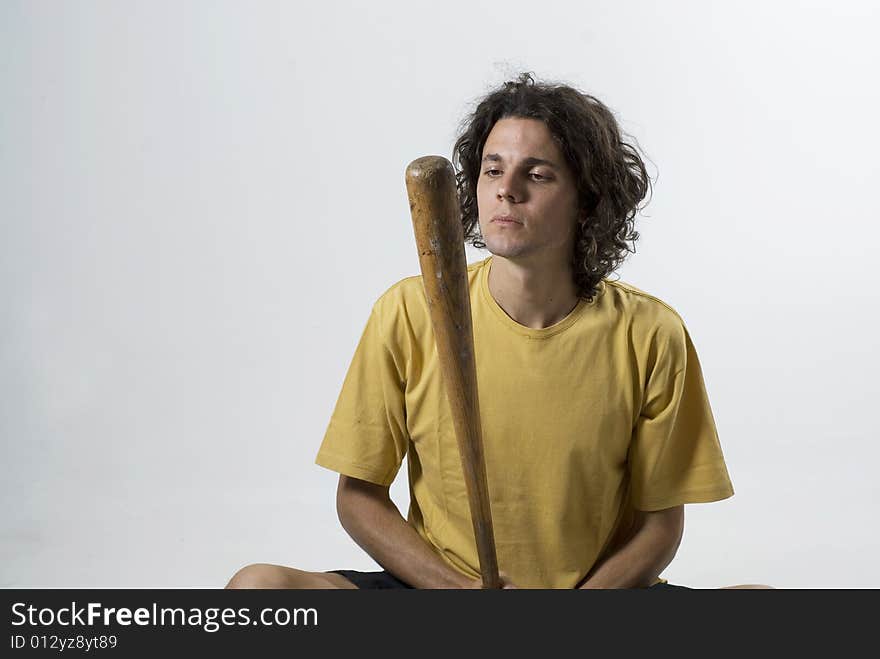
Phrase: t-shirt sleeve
pixel 675 456
pixel 367 437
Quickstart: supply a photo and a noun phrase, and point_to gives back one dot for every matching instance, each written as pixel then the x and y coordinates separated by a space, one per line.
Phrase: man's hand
pixel 647 552
pixel 506 584
pixel 374 522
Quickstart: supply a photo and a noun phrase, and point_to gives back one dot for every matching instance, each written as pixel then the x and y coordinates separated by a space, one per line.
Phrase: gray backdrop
pixel 200 201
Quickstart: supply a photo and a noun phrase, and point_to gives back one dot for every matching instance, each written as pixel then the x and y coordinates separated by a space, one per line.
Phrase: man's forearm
pixel 639 562
pixel 375 523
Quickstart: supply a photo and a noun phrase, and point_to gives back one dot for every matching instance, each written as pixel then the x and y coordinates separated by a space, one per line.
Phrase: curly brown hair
pixel 611 178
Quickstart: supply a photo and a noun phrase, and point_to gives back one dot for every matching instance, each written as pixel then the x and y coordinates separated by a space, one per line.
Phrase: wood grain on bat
pixel 433 202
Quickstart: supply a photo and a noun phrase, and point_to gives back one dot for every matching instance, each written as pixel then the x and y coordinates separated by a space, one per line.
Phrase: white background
pixel 200 201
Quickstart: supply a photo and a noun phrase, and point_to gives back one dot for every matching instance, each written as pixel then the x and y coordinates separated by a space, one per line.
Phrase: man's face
pixel 526 194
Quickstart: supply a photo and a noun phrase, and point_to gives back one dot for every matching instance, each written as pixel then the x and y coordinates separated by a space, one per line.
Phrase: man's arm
pixel 374 522
pixel 639 562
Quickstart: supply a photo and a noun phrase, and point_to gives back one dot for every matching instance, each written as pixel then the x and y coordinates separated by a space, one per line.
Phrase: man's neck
pixel 534 296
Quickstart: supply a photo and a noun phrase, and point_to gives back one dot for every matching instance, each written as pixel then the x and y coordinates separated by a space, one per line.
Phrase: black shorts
pixel 377 580
pixel 372 580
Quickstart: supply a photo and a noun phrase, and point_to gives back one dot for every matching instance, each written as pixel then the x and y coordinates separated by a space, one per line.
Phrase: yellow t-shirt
pixel 584 422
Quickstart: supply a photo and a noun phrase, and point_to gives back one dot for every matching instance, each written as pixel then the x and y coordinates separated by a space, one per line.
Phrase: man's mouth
pixel 505 219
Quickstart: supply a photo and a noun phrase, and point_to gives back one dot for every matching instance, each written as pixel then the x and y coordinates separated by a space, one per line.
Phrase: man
pixel 596 424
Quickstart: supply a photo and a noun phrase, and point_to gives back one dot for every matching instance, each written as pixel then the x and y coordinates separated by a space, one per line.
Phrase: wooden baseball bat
pixel 436 217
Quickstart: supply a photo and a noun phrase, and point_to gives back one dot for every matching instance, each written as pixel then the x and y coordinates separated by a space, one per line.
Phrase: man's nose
pixel 508 190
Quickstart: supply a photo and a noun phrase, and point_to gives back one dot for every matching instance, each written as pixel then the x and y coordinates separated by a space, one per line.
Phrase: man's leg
pixel 748 586
pixel 264 575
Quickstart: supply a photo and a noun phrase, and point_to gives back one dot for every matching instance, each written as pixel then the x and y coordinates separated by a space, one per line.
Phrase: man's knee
pixel 259 575
pixel 264 575
pixel 749 586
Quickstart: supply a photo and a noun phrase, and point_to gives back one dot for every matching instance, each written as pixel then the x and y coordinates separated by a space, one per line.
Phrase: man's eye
pixel 537 177
pixel 492 172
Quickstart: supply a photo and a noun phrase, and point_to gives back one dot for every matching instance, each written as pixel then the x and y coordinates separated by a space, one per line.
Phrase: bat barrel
pixel 433 203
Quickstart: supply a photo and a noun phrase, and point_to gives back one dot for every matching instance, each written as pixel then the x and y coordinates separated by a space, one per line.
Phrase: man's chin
pixel 505 251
